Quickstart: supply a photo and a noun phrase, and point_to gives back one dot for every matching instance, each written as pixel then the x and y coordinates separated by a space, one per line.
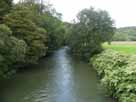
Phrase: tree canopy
pixel 27 33
pixel 91 28
pixel 5 6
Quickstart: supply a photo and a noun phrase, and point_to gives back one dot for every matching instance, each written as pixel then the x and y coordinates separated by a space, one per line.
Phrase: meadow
pixel 123 47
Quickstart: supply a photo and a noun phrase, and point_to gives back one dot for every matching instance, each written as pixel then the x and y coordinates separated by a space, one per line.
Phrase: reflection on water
pixel 59 78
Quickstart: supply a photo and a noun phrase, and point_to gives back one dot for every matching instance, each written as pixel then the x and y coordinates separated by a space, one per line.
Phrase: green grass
pixel 124 48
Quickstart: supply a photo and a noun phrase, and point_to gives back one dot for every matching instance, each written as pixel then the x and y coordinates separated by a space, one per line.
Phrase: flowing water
pixel 59 78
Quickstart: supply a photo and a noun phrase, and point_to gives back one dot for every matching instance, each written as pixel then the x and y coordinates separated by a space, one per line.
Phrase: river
pixel 58 78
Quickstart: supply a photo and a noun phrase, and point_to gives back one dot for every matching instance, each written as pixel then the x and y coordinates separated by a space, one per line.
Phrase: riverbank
pixel 118 74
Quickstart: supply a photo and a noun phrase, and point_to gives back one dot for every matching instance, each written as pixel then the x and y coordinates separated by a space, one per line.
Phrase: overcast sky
pixel 122 11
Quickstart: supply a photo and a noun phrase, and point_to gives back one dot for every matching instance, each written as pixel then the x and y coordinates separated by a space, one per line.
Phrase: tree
pixel 125 34
pixel 55 29
pixel 91 29
pixel 5 6
pixel 24 28
pixel 12 50
pixel 39 4
pixel 23 36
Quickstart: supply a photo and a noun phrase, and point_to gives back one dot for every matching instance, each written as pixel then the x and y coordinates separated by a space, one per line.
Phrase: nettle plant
pixel 118 73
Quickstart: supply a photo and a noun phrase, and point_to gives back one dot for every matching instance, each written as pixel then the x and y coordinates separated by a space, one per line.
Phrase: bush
pixel 118 72
pixel 12 50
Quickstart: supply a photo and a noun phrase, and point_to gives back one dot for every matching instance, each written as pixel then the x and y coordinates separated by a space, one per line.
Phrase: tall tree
pixel 91 29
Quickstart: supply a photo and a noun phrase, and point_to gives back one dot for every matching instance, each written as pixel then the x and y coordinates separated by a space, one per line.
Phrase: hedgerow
pixel 118 74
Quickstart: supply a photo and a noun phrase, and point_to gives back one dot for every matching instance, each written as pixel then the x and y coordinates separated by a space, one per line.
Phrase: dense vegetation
pixel 28 31
pixel 125 34
pixel 118 73
pixel 5 6
pixel 91 28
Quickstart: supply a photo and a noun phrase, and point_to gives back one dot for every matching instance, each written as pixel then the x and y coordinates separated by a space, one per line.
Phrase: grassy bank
pixel 123 47
pixel 118 73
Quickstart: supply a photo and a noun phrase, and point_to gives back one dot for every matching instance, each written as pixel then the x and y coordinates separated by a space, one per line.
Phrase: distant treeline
pixel 125 34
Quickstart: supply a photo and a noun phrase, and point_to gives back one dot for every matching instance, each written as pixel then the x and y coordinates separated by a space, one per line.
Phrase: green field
pixel 127 48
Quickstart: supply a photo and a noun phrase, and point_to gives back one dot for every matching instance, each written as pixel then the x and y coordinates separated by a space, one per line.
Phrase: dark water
pixel 59 78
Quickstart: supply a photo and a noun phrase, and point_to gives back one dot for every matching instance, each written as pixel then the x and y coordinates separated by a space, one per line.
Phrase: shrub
pixel 118 72
pixel 12 50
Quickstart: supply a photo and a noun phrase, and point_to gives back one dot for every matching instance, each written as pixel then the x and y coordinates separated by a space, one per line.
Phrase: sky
pixel 123 12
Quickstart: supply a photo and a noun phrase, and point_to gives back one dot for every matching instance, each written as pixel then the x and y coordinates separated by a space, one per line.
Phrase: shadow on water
pixel 59 78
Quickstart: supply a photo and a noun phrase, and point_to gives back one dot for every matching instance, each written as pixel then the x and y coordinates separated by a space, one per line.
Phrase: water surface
pixel 59 78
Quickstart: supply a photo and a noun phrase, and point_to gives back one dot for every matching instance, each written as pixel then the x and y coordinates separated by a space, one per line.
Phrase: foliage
pixel 55 29
pixel 91 29
pixel 50 20
pixel 28 32
pixel 5 6
pixel 125 34
pixel 23 27
pixel 12 50
pixel 118 72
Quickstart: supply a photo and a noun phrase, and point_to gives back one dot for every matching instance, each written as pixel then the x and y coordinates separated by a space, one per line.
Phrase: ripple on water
pixel 39 95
